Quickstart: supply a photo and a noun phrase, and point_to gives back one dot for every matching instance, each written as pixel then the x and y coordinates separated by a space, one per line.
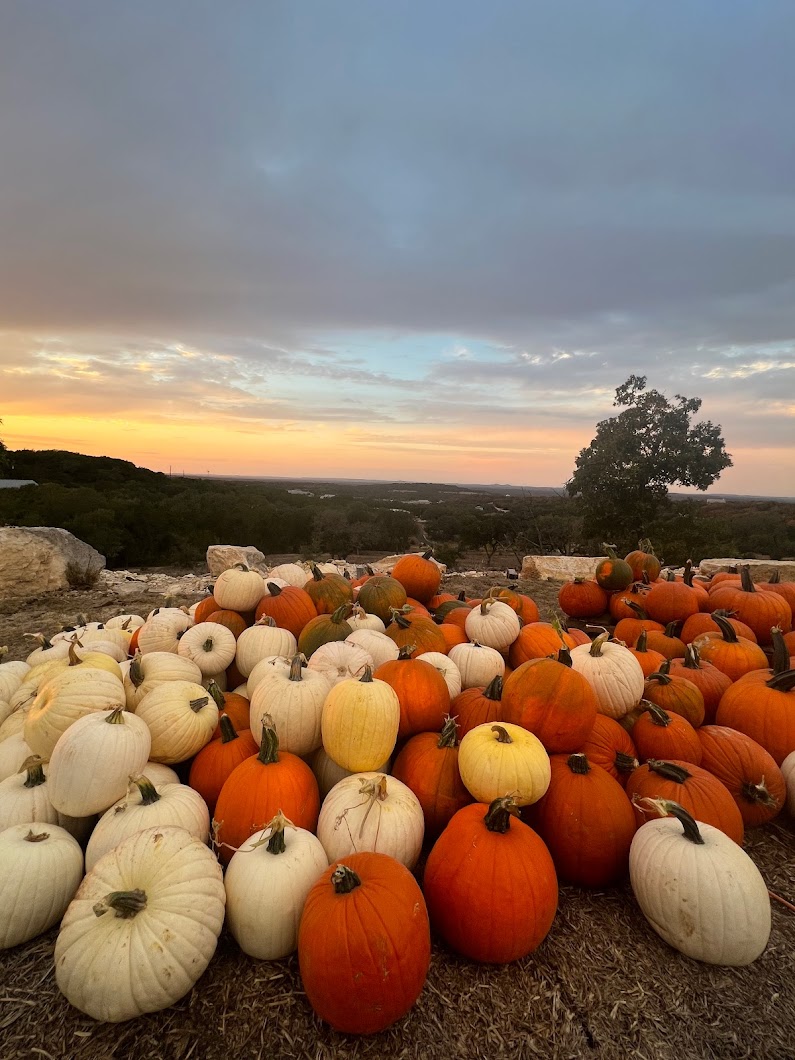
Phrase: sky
pixel 419 240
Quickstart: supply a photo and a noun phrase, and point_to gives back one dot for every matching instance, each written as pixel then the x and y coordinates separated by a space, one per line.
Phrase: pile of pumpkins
pixel 278 756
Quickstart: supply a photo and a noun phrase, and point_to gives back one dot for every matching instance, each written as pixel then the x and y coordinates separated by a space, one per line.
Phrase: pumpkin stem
pixel 661 676
pixel 126 904
pixel 668 808
pixel 783 682
pixel 406 651
pixel 498 816
pixel 672 629
pixel 494 689
pixel 115 716
pixel 727 630
pixel 266 620
pixel 215 691
pixel 746 581
pixel 564 656
pixel 640 643
pixel 780 660
pixel 502 734
pixel 341 613
pixel 625 763
pixel 668 770
pixel 36 837
pixel 692 660
pixel 636 609
pixel 578 763
pixel 34 767
pixel 448 737
pixel 198 704
pixel 147 789
pixel 228 730
pixel 317 574
pixel 297 663
pixel 43 642
pixel 344 880
pixel 758 793
pixel 269 745
pixel 136 670
pixel 657 714
pixel 277 825
pixel 599 642
pixel 367 676
pixel 74 658
pixel 399 618
pixel 273 588
pixel 208 644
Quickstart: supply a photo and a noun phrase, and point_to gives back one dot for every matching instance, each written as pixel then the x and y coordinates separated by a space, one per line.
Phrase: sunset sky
pixel 420 240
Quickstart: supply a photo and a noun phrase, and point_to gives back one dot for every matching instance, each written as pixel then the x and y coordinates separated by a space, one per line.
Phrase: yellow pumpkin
pixel 360 723
pixel 496 760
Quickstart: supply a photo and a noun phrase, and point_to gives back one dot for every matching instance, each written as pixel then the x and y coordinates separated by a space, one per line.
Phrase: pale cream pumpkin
pixel 290 574
pixel 159 774
pixel 698 889
pixel 360 723
pixel 182 717
pixel 162 631
pixel 63 699
pixel 493 624
pixel 13 752
pixel 239 589
pixel 496 760
pixel 90 766
pixel 147 806
pixel 162 885
pixel 294 699
pixel 41 867
pixel 613 673
pixel 328 773
pixel 119 637
pixel 126 622
pixel 11 675
pixel 341 661
pixel 266 883
pixel 209 645
pixel 372 812
pixel 360 619
pixel 263 668
pixel 148 671
pixel 46 650
pixel 477 663
pixel 6 710
pixel 378 646
pixel 261 641
pixel 447 668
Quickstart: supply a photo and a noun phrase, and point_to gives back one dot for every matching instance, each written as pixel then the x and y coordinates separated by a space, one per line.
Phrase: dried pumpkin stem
pixel 126 904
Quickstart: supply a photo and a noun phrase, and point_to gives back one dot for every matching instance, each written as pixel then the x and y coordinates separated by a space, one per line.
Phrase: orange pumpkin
pixel 289 606
pixel 708 679
pixel 212 766
pixel 642 560
pixel 760 610
pixel 582 598
pixel 476 706
pixel 551 700
pixel 650 661
pixel 754 780
pixel 658 734
pixel 667 643
pixel 537 641
pixel 704 622
pixel 676 695
pixel 422 692
pixel 610 746
pixel 205 608
pixel 452 635
pixel 696 790
pixel 237 707
pixel 670 600
pixel 428 764
pixel 418 575
pixel 731 654
pixel 232 620
pixel 420 633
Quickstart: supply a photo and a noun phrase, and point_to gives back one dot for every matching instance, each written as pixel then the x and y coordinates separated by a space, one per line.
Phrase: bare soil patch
pixel 601 985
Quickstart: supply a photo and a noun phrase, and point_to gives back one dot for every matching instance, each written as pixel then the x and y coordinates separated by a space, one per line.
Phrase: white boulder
pixel 761 569
pixel 44 559
pixel 222 557
pixel 559 568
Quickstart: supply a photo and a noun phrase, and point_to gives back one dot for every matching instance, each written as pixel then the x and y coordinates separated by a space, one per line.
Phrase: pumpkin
pixel 202 609
pixel 340 661
pixel 231 620
pixel 379 594
pixel 329 592
pixel 364 944
pixel 667 642
pixel 146 671
pixel 148 806
pixel 613 573
pixel 289 573
pixel 421 633
pixel 502 759
pixel 181 717
pixel 494 624
pixel 539 640
pixel 705 623
pixel 378 646
pixel 13 750
pixel 258 789
pixel 582 598
pixel 232 704
pixel 360 721
pixel 591 849
pixel 63 699
pixel 671 601
pixel 658 734
pixel 162 885
pixel 267 883
pixel 428 764
pixel 477 664
pixel 161 631
pixel 610 746
pixel 643 561
pixel 41 867
pixel 708 679
pixel 372 811
pixel 788 772
pixel 676 695
pixel 747 770
pixel 263 639
pixel 324 629
pixel 756 608
pixel 293 697
pixel 476 706
pixel 552 700
pixel 359 619
pixel 421 691
pixel 289 606
pixel 212 765
pixel 613 673
pixel 419 575
pixel 783 588
pixel 210 645
pixel 698 890
pixel 490 884
pixel 628 630
pixel 698 791
pixel 159 774
pixel 91 763
pixel 11 675
pixel 623 605
pixel 650 661
pixel 447 668
pixel 238 588
pixel 731 654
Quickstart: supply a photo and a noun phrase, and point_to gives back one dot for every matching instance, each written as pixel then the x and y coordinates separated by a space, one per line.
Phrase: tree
pixel 5 463
pixel 622 478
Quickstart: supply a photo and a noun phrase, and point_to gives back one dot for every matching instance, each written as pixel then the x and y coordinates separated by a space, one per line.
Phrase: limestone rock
pixel 559 568
pixel 222 557
pixel 43 559
pixel 761 569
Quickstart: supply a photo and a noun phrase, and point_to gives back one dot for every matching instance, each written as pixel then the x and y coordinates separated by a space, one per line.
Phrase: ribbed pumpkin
pixel 642 560
pixel 372 812
pixel 360 721
pixel 658 734
pixel 418 575
pixel 586 821
pixel 669 600
pixel 494 624
pixel 629 629
pixel 621 604
pixel 478 705
pixel 421 691
pixel 213 764
pixel 181 716
pixel 324 629
pixel 552 700
pixel 610 746
pixel 364 945
pixel 231 620
pixel 238 588
pixel 258 789
pixel 708 679
pixel 783 588
pixel 692 787
pixel 758 609
pixel 502 759
pixel 289 606
pixel 263 639
pixel 732 655
pixel 582 598
pixel 416 630
pixel 612 672
pixel 477 664
pixel 329 592
pixel 490 884
pixel 668 642
pixel 650 661
pixel 380 594
pixel 538 640
pixel 204 608
pixel 524 606
pixel 428 764
pixel 704 622
pixel 676 695
pixel 748 771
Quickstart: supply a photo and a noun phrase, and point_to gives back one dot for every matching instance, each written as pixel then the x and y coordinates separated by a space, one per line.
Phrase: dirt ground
pixel 601 985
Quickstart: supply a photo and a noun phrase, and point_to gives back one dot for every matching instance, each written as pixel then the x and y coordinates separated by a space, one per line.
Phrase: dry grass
pixel 601 985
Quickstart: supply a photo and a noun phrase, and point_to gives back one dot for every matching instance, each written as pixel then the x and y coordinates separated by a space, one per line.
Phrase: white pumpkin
pixel 239 589
pixel 328 773
pixel 63 699
pixel 181 716
pixel 11 675
pixel 129 623
pixel 613 673
pixel 41 867
pixel 447 668
pixel 788 770
pixel 378 646
pixel 218 680
pixel 264 667
pixel 92 762
pixel 294 699
pixel 147 806
pixel 290 574
pixel 161 632
pixel 162 886
pixel 493 624
pixel 371 812
pixel 340 661
pixel 120 637
pixel 46 650
pixel 13 752
pixel 25 796
pixel 262 641
pixel 698 889
pixel 477 663
pixel 148 671
pixel 267 881
pixel 209 645
pixel 159 774
pixel 360 619
pixel 6 710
